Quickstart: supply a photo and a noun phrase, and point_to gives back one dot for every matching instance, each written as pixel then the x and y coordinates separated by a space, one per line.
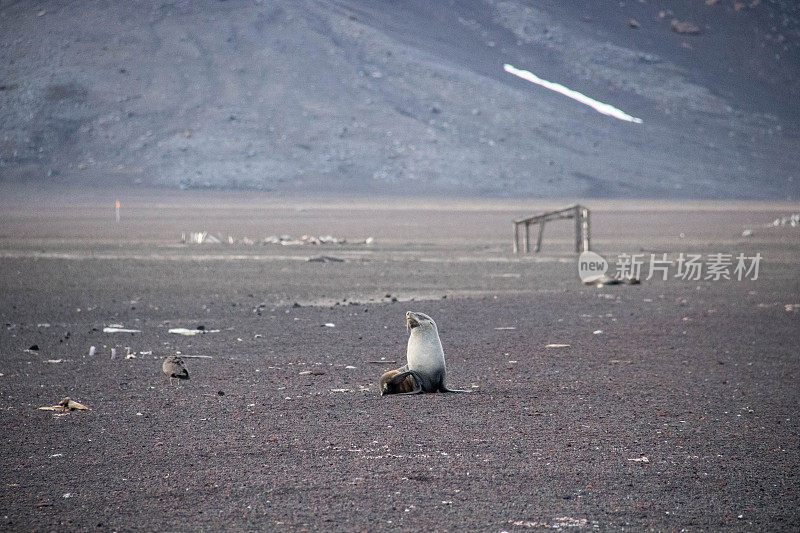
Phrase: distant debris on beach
pixel 288 240
pixel 198 237
pixel 791 220
pixel 603 280
pixel 324 259
pixel 204 237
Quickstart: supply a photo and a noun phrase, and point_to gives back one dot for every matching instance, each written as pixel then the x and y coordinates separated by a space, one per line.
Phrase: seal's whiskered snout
pixel 412 321
pixel 415 320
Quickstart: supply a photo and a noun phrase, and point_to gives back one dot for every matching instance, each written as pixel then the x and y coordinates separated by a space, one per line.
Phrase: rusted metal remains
pixel 577 212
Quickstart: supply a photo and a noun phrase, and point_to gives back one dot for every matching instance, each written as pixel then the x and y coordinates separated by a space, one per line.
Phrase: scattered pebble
pixel 685 27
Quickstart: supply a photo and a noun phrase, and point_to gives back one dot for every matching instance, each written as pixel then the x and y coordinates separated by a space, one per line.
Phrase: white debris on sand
pixel 118 328
pixel 556 523
pixel 190 332
pixel 66 405
pixel 204 237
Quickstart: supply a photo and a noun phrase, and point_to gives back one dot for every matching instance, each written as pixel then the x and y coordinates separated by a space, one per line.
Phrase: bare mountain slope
pixel 377 96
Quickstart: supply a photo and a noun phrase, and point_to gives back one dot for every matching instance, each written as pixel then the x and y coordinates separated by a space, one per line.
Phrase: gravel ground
pixel 680 414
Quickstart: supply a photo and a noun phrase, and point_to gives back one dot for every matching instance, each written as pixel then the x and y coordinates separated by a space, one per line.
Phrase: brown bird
pixel 174 368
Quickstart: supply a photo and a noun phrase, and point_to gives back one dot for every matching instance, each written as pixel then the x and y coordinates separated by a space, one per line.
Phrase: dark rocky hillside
pixel 404 97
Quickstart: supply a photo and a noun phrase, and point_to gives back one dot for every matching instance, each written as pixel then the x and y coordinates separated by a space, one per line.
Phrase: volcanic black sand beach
pixel 674 406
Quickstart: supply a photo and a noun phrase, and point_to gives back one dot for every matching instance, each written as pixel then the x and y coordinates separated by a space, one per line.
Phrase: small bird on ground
pixel 174 368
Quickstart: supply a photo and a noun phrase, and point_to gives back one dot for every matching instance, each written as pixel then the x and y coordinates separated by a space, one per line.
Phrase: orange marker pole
pixel 117 205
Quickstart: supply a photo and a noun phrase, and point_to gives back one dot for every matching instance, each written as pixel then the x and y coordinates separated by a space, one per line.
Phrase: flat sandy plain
pixel 698 377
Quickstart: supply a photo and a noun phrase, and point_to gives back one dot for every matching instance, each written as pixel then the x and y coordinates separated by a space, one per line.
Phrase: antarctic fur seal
pixel 425 370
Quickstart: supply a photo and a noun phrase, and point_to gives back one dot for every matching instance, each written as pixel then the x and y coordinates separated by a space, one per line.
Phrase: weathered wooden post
pixel 527 236
pixel 516 238
pixel 539 237
pixel 585 229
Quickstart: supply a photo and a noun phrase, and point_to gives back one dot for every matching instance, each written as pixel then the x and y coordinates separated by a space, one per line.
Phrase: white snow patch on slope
pixel 600 107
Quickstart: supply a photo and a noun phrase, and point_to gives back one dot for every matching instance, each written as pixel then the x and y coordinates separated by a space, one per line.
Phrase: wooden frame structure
pixel 577 212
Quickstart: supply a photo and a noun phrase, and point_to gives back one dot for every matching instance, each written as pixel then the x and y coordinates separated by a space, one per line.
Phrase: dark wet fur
pixel 425 383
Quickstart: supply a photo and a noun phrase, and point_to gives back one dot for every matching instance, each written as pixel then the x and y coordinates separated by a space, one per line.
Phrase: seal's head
pixel 419 320
pixel 384 384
